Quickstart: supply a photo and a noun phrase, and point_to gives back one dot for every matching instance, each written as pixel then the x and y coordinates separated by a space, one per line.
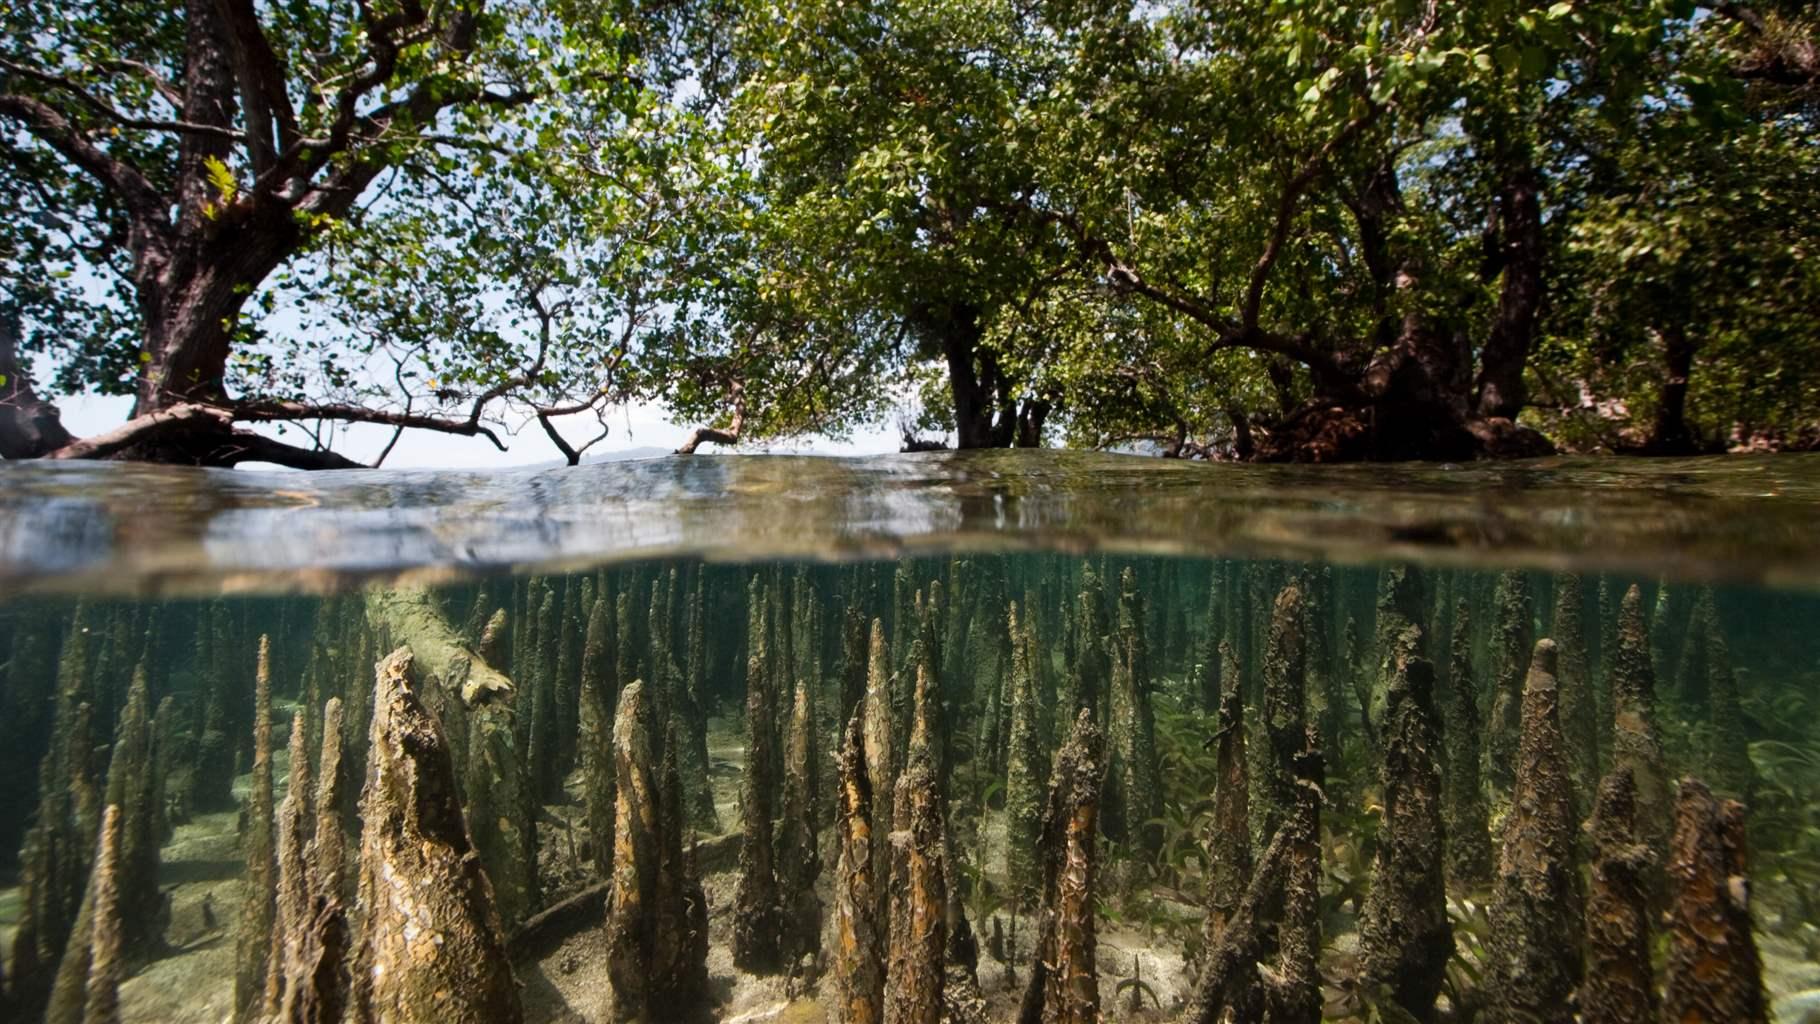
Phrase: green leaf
pixel 1535 64
pixel 226 185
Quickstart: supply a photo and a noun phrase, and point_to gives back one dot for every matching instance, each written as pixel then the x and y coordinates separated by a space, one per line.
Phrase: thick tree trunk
pixel 1032 413
pixel 29 425
pixel 1500 390
pixel 1669 433
pixel 972 396
pixel 1409 391
pixel 186 298
pixel 986 412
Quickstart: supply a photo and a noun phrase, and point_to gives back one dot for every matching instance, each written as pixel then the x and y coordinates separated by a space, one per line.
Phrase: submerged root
pixel 1537 907
pixel 859 977
pixel 430 946
pixel 1714 972
pixel 1618 987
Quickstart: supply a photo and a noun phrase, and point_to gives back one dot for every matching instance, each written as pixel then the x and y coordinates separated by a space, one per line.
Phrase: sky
pixel 636 426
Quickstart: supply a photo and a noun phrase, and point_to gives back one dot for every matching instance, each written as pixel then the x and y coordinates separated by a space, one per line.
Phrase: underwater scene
pixel 960 785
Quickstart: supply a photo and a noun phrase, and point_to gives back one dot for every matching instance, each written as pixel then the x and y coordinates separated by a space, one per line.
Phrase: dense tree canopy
pixel 1296 229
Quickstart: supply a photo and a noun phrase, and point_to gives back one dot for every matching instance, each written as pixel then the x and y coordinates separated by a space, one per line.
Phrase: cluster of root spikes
pixel 1123 725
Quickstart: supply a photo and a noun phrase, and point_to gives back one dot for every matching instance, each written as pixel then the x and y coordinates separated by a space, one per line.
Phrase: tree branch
pixel 261 76
pixel 45 122
pixel 165 89
pixel 1286 209
pixel 711 435
pixel 273 411
pixel 173 420
pixel 101 107
pixel 250 447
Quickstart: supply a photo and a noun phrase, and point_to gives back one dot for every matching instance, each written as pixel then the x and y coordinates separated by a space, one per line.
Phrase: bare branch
pixel 729 436
pixel 246 446
pixel 99 106
pixel 272 411
pixel 185 416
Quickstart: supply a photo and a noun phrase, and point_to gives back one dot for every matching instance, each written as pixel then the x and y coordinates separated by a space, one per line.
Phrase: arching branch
pixel 729 436
pixel 273 411
pixel 124 120
pixel 246 446
pixel 572 453
pixel 177 419
pixel 125 181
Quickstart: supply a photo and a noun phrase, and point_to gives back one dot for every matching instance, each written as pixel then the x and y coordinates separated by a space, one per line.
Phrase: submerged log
pixel 430 946
pixel 1537 907
pixel 497 782
pixel 859 976
pixel 411 616
pixel 1618 988
pixel 1714 971
pixel 1404 933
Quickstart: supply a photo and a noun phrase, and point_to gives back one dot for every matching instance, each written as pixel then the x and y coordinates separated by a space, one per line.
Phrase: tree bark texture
pixel 431 947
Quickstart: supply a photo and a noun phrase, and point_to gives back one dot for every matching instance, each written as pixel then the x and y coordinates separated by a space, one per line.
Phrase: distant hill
pixel 623 455
pixel 644 452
